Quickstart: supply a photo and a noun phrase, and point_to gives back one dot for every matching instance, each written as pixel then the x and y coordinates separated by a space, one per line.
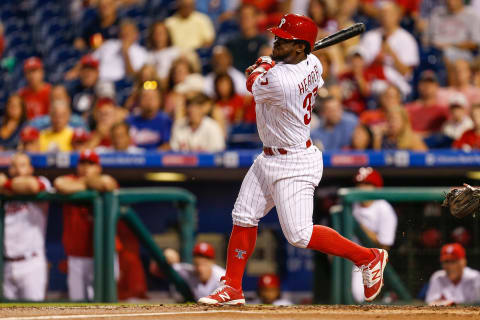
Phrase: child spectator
pixel 459 119
pixel 36 95
pixel 397 133
pixel 121 140
pixel 227 99
pixel 269 291
pixel 336 126
pixel 12 123
pixel 80 139
pixel 29 140
pixel 190 29
pixel 362 138
pixel 197 132
pixel 470 140
pixel 428 113
pixel 150 129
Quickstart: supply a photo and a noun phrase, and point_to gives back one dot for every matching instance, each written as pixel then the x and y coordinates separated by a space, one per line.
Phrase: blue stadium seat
pixel 123 88
pixel 244 136
pixel 205 55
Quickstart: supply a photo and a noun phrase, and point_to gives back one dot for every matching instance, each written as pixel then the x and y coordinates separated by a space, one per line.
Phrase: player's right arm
pixel 102 183
pixel 69 185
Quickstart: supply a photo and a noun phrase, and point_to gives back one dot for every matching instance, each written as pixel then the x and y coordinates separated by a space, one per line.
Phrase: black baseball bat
pixel 339 36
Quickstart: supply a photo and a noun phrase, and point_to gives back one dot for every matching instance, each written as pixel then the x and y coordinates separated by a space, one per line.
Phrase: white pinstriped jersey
pixel 284 99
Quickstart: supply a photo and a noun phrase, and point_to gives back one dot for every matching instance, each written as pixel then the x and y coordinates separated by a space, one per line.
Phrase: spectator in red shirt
pixel 78 223
pixel 227 99
pixel 470 139
pixel 36 95
pixel 29 140
pixel 428 113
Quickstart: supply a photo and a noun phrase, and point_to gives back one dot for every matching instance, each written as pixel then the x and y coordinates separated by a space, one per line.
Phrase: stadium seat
pixel 244 136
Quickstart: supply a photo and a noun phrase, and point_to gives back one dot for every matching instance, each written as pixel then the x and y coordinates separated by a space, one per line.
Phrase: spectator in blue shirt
pixel 336 126
pixel 151 128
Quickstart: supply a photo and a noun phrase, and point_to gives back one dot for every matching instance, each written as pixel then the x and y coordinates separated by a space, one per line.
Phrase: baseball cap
pixel 458 100
pixel 428 75
pixel 32 63
pixel 88 61
pixel 89 156
pixel 204 249
pixel 80 135
pixel 29 134
pixel 268 281
pixel 370 176
pixel 103 102
pixel 452 251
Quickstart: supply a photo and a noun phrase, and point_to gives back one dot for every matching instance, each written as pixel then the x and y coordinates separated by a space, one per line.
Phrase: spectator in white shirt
pixel 459 120
pixel 121 57
pixel 392 47
pixel 197 132
pixel 455 283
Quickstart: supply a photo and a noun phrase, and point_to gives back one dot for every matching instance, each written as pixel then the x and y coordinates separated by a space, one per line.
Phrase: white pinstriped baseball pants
pixel 286 182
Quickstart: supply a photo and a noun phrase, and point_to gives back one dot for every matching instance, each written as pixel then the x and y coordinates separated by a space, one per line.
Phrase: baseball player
pixel 269 291
pixel 203 276
pixel 77 235
pixel 455 283
pixel 286 173
pixel 25 269
pixel 376 218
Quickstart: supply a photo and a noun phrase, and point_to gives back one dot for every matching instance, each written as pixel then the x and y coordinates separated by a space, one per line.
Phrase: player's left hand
pixel 265 60
pixel 250 69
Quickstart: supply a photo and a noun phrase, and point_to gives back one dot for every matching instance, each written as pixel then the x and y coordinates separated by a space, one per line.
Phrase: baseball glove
pixel 463 201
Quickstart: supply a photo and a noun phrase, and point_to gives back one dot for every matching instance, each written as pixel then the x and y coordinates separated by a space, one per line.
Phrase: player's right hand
pixel 250 69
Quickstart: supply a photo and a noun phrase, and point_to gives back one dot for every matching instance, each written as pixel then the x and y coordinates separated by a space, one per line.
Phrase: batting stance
pixel 25 270
pixel 287 172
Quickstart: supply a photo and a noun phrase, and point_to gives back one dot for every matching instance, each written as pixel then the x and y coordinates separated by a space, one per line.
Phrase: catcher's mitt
pixel 463 201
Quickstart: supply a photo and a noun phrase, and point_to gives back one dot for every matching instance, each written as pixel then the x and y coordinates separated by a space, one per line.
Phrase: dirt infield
pixel 248 312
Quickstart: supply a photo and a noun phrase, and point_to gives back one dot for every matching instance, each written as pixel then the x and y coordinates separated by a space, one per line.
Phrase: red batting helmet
pixel 296 27
pixel 370 176
pixel 204 249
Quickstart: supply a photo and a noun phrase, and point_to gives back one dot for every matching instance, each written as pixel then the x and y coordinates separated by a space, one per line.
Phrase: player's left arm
pixel 25 185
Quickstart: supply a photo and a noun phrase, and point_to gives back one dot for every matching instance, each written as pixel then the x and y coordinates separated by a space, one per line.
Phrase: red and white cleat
pixel 224 295
pixel 372 274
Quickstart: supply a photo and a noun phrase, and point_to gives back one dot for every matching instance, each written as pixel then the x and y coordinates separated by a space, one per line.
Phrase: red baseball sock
pixel 240 248
pixel 329 241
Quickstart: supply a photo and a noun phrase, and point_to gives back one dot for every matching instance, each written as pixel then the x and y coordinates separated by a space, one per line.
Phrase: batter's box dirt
pixel 250 312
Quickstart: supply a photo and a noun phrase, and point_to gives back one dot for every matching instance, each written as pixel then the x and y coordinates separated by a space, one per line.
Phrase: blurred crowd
pixel 142 75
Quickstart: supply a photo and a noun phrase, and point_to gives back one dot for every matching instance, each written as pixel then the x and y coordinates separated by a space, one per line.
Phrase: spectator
pixel 391 97
pixel 25 268
pixel 269 291
pixel 355 83
pixel 121 140
pixel 202 276
pixel 455 283
pixel 83 91
pixel 36 94
pixel 105 115
pixel 397 133
pixel 161 52
pixel 391 47
pixel 227 99
pixel 190 29
pixel 104 26
pixel 459 120
pixel 58 93
pixel 470 139
pixel 428 113
pixel 29 140
pixel 249 44
pixel 362 138
pixel 376 218
pixel 222 63
pixel 454 29
pixel 121 57
pixel 217 10
pixel 336 126
pixel 77 235
pixel 80 139
pixel 461 83
pixel 12 123
pixel 197 132
pixel 58 137
pixel 146 76
pixel 151 128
